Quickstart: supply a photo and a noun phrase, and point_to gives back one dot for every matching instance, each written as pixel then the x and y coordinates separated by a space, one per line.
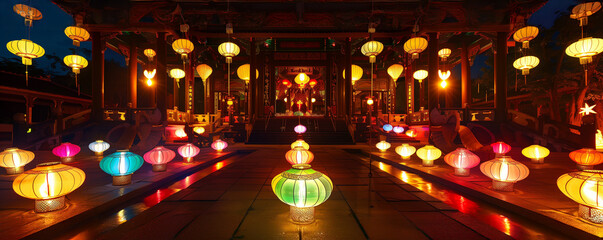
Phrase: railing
pixel 419 118
pixel 175 116
pixel 124 114
pixel 75 119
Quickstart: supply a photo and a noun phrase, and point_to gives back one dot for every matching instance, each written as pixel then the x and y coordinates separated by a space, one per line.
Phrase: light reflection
pixel 404 176
pixel 121 216
pixel 507 225
pixel 218 166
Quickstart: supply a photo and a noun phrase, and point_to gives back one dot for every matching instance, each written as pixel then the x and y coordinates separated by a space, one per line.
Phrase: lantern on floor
pixel 177 74
pixel 98 147
pixel 584 10
pixel 585 49
pixel 150 53
pixel 428 154
pixel 357 73
pixel 387 127
pixel 77 34
pixel 585 188
pixel 504 172
pixel 301 79
pixel 536 153
pixel 405 151
pixel 26 49
pixel 229 50
pixel 13 159
pixel 371 49
pixel 219 145
pixel 75 62
pixel 204 71
pixel 394 71
pixel 524 35
pixel 183 47
pixel 188 152
pixel 444 53
pixel 66 151
pixel 121 165
pixel 180 133
pixel 420 75
pixel 299 129
pixel 462 160
pixel 159 158
pixel 199 130
pixel 500 148
pixel 299 155
pixel 243 72
pixel 383 146
pixel 48 184
pixel 302 188
pixel 29 13
pixel 411 133
pixel 525 64
pixel 414 46
pixel 300 143
pixel 398 129
pixel 586 158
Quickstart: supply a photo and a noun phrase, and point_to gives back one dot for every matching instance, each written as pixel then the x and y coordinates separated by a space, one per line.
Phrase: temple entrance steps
pixel 320 131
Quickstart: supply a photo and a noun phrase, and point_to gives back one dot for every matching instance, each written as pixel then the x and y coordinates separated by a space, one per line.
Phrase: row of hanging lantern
pixel 74 61
pixel 25 48
pixel 586 47
pixel 526 62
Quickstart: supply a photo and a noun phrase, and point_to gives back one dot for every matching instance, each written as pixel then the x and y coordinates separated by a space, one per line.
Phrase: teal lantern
pixel 121 165
pixel 302 188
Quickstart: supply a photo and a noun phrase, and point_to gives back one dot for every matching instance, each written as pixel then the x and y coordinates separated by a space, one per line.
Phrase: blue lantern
pixel 387 127
pixel 121 165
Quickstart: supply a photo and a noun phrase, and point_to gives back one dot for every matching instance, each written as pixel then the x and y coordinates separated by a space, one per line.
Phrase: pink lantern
pixel 461 160
pixel 159 157
pixel 500 148
pixel 398 129
pixel 66 151
pixel 299 129
pixel 219 145
pixel 188 152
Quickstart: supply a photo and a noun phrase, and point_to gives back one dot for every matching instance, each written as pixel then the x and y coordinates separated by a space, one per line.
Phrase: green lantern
pixel 302 188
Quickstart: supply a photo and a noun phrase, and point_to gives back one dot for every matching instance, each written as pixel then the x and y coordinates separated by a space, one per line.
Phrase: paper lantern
pixel 177 73
pixel 188 152
pixel 150 53
pixel 13 159
pixel 583 10
pixel 98 147
pixel 286 82
pixel 536 153
pixel 75 62
pixel 383 146
pixel 302 79
pixel 77 34
pixel 420 75
pixel 302 188
pixel 313 100
pixel 524 35
pixel 229 50
pixel 525 64
pixel 398 129
pixel 66 151
pixel 395 70
pixel 411 133
pixel 387 127
pixel 462 160
pixel 183 47
pixel 428 154
pixel 504 172
pixel 405 151
pixel 243 72
pixel 312 83
pixel 444 53
pixel 120 165
pixel 357 73
pixel 371 49
pixel 300 143
pixel 500 148
pixel 586 158
pixel 29 13
pixel 299 155
pixel 48 184
pixel 204 71
pixel 159 157
pixel 585 49
pixel 199 130
pixel 369 101
pixel 414 46
pixel 26 49
pixel 585 188
pixel 219 145
pixel 299 129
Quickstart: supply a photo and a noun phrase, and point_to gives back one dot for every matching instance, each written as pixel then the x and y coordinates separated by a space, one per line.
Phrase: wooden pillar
pixel 409 88
pixel 347 91
pixel 465 77
pixel 189 83
pixel 161 76
pixel 98 76
pixel 500 77
pixel 210 95
pixel 251 94
pixel 259 88
pixel 327 79
pixel 29 102
pixel 133 70
pixel 432 79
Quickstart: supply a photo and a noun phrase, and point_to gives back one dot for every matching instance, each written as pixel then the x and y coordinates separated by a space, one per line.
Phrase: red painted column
pixel 500 77
pixel 98 76
pixel 161 76
pixel 251 93
pixel 133 70
pixel 465 77
pixel 433 78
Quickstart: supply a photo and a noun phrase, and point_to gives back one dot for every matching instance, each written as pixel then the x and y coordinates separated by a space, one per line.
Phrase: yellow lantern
pixel 371 49
pixel 229 102
pixel 357 73
pixel 395 70
pixel 444 53
pixel 585 49
pixel 183 47
pixel 150 53
pixel 150 75
pixel 243 72
pixel 383 146
pixel 414 46
pixel 302 78
pixel 585 188
pixel 48 184
pixel 199 130
pixel 75 62
pixel 229 50
pixel 405 151
pixel 13 159
pixel 428 154
pixel 536 153
pixel 524 35
pixel 26 49
pixel 420 75
pixel 369 101
pixel 204 71
pixel 300 143
pixel 29 13
pixel 504 172
pixel 177 74
pixel 583 10
pixel 77 34
pixel 525 64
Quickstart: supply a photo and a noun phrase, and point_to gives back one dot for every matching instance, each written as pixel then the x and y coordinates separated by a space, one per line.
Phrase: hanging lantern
pixel 183 47
pixel 504 172
pixel 66 151
pixel 536 153
pixel 524 35
pixel 75 62
pixel 300 143
pixel 199 130
pixel 411 133
pixel 219 145
pixel 29 13
pixel 398 129
pixel 420 75
pixel 120 165
pixel 286 82
pixel 369 101
pixel 395 70
pixel 414 46
pixel 299 155
pixel 77 34
pixel 586 158
pixel 48 184
pixel 387 127
pixel 525 64
pixel 26 49
pixel 13 160
pixel 313 100
pixel 584 10
pixel 302 188
pixel 500 148
pixel 302 78
pixel 405 151
pixel 371 49
pixel 150 75
pixel 228 50
pixel 428 154
pixel 229 101
pixel 383 146
pixel 204 71
pixel 177 74
pixel 444 53
pixel 300 129
pixel 585 49
pixel 357 73
pixel 312 83
pixel 585 188
pixel 159 157
pixel 98 147
pixel 150 53
pixel 243 72
pixel 188 152
pixel 462 160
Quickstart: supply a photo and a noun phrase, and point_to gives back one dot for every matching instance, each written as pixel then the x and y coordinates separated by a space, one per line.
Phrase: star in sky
pixel 586 110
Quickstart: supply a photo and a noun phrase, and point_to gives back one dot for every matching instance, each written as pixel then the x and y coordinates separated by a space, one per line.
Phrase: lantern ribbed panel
pixel 26 49
pixel 219 145
pixel 405 150
pixel 14 157
pixel 585 48
pixel 150 53
pixel 395 70
pixel 177 73
pixel 229 49
pixel 462 158
pixel 121 163
pixel 525 34
pixel 415 45
pixel 444 53
pixel 98 146
pixel 66 150
pixel 27 12
pixel 299 155
pixel 50 180
pixel 586 156
pixel 526 63
pixel 429 153
pixel 183 46
pixel 584 187
pixel 302 187
pixel 188 150
pixel 504 169
pixel 159 155
pixel 420 74
pixel 76 62
pixel 372 48
pixel 77 34
pixel 204 71
pixel 300 143
pixel 535 151
pixel 357 72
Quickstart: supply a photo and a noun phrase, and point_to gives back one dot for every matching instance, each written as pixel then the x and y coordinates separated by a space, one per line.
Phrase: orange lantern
pixel 301 143
pixel 428 154
pixel 584 10
pixel 462 160
pixel 13 159
pixel 444 53
pixel 586 158
pixel 524 35
pixel 585 188
pixel 77 34
pixel 299 155
pixel 405 151
pixel 29 13
pixel 504 172
pixel 411 133
pixel 183 47
pixel 414 46
pixel 150 53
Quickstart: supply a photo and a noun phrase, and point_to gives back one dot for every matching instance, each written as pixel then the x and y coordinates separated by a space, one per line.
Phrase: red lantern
pixel 299 155
pixel 586 158
pixel 461 160
pixel 500 148
pixel 159 157
pixel 312 83
pixel 66 151
pixel 188 151
pixel 286 82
